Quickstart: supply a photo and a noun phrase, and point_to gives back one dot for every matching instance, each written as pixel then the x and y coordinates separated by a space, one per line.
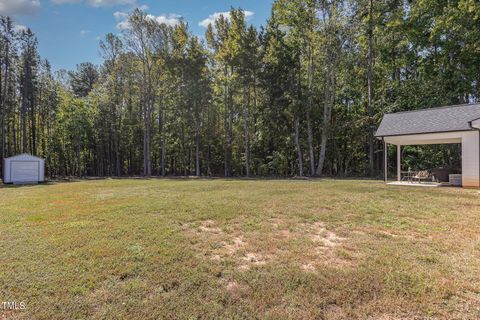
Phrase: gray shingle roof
pixel 443 119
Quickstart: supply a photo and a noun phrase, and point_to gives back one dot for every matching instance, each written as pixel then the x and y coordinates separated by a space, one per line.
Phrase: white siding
pixel 23 168
pixel 25 171
pixel 470 159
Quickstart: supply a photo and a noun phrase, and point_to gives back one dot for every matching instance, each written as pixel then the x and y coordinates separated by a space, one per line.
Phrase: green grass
pixel 239 249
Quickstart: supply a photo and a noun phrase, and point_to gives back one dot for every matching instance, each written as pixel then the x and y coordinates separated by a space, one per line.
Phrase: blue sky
pixel 69 30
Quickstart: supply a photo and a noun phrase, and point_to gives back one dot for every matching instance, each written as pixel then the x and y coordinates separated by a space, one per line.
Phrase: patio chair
pixel 421 175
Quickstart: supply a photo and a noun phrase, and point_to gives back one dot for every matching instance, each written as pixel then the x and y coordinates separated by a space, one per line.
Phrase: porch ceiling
pixel 429 138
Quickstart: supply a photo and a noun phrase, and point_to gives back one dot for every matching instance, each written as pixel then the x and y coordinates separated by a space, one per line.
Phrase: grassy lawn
pixel 190 249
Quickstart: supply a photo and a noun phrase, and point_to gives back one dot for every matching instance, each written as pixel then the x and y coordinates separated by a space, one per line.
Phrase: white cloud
pixel 101 3
pixel 122 18
pixel 171 19
pixel 12 7
pixel 120 15
pixel 65 1
pixel 123 25
pixel 83 33
pixel 110 3
pixel 211 18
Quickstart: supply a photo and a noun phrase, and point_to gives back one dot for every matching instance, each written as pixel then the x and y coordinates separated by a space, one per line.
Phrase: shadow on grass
pixel 40 184
pixel 56 181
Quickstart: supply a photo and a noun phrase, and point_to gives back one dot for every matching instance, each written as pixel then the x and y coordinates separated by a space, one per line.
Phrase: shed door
pixel 24 171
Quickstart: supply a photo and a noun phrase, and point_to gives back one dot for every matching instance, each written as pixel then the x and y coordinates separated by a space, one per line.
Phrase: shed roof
pixel 23 156
pixel 442 119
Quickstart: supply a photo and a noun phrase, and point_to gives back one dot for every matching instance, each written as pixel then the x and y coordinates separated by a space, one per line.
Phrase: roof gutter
pixel 427 132
pixel 478 130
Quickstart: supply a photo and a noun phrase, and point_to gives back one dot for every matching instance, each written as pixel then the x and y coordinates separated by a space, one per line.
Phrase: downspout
pixel 478 130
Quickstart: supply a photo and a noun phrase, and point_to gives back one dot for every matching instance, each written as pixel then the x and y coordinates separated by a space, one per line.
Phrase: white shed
pixel 23 168
pixel 451 124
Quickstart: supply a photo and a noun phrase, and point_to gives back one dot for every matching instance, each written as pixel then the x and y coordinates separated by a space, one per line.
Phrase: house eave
pixel 380 137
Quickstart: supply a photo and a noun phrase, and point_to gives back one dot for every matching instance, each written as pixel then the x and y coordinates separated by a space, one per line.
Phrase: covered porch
pixel 436 126
pixel 418 178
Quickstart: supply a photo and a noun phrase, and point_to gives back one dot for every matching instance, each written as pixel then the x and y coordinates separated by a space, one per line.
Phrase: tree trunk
pixel 226 126
pixel 309 110
pixel 116 132
pixel 33 127
pixel 197 123
pixel 118 165
pixel 161 116
pixel 329 96
pixel 209 142
pixel 230 139
pixel 298 147
pixel 24 125
pixel 323 150
pixel 146 144
pixel 78 170
pixel 310 144
pixel 246 118
pixel 13 144
pixel 164 147
pixel 371 144
pixel 147 162
pixel 197 152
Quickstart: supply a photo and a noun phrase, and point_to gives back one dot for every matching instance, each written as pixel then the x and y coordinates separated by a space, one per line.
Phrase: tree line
pixel 300 96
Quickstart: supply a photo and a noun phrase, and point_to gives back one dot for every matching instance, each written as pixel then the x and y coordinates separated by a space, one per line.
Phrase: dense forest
pixel 300 96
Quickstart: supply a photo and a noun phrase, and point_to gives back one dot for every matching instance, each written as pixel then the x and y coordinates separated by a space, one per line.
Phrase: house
pixel 23 169
pixel 444 125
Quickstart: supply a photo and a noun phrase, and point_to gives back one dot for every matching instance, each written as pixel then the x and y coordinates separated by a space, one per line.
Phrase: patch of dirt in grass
pixel 277 240
pixel 222 244
pixel 209 226
pixel 309 266
pixel 253 259
pixel 334 312
pixel 225 246
pixel 233 286
pixel 234 289
pixel 389 234
pixel 326 247
pixel 234 244
pixel 318 233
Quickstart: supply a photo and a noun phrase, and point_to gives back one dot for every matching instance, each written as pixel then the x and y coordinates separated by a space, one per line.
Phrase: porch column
pixel 385 161
pixel 399 162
